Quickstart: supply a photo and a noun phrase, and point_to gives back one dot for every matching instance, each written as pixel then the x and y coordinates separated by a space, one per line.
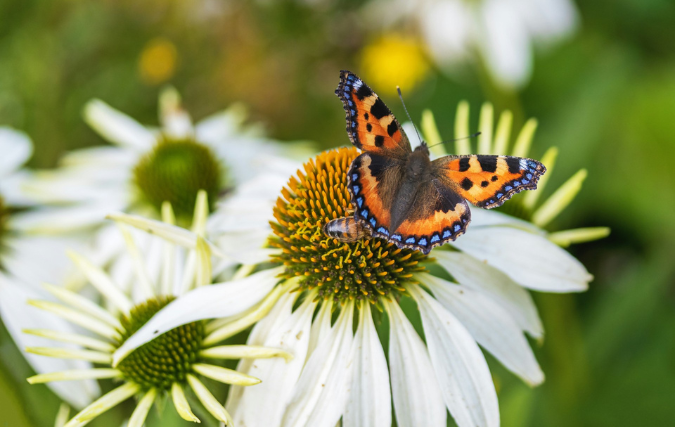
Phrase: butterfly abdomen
pixel 346 229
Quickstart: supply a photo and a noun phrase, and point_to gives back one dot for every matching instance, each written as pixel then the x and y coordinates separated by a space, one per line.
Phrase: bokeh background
pixel 603 92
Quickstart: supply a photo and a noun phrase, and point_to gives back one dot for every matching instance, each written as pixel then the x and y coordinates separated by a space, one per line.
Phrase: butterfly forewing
pixel 488 181
pixel 370 124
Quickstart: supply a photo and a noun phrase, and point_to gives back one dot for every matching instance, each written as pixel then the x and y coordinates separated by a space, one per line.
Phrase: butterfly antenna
pixel 400 95
pixel 473 135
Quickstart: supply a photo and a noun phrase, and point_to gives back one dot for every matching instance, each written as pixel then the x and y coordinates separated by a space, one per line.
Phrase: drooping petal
pixel 224 375
pixel 369 403
pixel 417 396
pixel 209 302
pixel 490 325
pixel 141 412
pixel 72 338
pixel 209 401
pixel 117 127
pixel 461 369
pixel 172 233
pixel 474 274
pixel 16 149
pixel 276 318
pixel 530 260
pixel 102 282
pixel 321 325
pixel 75 374
pixel 77 317
pixel 105 402
pixel 322 390
pixel 218 332
pixel 278 376
pixel 17 315
pixel 181 404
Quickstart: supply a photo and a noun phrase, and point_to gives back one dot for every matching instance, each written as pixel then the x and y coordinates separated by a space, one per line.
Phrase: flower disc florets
pixel 366 269
pixel 167 358
pixel 174 171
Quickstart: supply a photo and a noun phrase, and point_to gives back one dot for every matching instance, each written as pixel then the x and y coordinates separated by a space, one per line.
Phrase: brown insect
pixel 345 229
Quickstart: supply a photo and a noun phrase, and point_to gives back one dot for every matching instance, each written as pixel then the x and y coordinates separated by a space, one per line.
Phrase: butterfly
pixel 402 195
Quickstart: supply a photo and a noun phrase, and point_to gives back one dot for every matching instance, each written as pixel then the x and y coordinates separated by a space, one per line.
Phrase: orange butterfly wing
pixel 439 214
pixel 488 181
pixel 370 124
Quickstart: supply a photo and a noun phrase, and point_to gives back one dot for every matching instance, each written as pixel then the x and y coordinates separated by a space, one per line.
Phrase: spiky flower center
pixel 367 269
pixel 167 358
pixel 174 171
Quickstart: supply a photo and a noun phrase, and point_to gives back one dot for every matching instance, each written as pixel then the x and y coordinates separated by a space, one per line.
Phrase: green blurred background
pixel 605 97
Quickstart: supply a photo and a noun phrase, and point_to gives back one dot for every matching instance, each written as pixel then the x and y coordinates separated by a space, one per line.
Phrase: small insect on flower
pixel 346 229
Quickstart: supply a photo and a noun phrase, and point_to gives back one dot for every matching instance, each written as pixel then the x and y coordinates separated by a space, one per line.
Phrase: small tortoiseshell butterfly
pixel 402 195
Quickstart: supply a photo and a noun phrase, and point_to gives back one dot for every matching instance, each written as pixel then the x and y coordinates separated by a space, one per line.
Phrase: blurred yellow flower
pixel 157 62
pixel 394 60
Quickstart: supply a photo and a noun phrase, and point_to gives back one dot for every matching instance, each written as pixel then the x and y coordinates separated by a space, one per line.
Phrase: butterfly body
pixel 346 229
pixel 402 195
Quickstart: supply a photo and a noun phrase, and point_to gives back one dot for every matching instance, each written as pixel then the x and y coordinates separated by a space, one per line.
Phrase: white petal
pixel 223 328
pixel 321 326
pixel 62 219
pixel 107 158
pixel 181 404
pixel 220 126
pixel 16 149
pixel 505 44
pixel 278 376
pixel 322 390
pixel 102 282
pixel 461 369
pixel 417 396
pixel 490 325
pixel 117 127
pixel 531 260
pixel 172 233
pixel 479 276
pixel 488 218
pixel 17 316
pixel 446 26
pixel 208 400
pixel 369 403
pixel 105 402
pixel 141 412
pixel 220 300
pixel 49 253
pixel 276 318
pixel 549 20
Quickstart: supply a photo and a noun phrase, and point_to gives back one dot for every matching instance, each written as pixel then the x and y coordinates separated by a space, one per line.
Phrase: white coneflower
pixel 20 253
pixel 173 360
pixel 145 167
pixel 480 299
pixel 500 33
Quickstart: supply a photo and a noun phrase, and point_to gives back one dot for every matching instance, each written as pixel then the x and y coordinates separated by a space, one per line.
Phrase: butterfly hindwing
pixel 438 215
pixel 488 181
pixel 370 124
